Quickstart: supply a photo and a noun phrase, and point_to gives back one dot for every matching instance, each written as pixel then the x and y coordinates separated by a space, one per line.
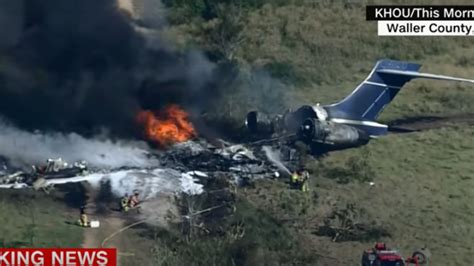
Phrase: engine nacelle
pixel 287 123
pixel 330 133
pixel 259 123
pixel 312 128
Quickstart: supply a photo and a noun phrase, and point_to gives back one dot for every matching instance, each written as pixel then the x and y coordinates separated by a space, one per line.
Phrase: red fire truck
pixel 380 255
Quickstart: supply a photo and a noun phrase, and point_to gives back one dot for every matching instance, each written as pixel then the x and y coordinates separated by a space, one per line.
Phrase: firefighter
pixel 133 201
pixel 83 220
pixel 295 177
pixel 304 180
pixel 124 203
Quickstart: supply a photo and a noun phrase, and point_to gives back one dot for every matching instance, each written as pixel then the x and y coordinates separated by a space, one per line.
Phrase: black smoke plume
pixel 80 65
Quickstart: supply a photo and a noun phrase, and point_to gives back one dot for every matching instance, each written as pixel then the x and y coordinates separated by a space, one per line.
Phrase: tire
pixel 422 255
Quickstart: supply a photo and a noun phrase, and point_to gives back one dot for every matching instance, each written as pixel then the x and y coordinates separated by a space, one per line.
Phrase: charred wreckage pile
pixel 132 78
pixel 196 159
pixel 180 167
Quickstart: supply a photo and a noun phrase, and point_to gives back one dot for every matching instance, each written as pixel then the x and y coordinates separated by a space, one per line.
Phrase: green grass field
pixel 423 180
pixel 313 52
pixel 31 219
pixel 321 51
pixel 423 189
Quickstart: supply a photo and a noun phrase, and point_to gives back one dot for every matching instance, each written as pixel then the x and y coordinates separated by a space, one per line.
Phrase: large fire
pixel 168 126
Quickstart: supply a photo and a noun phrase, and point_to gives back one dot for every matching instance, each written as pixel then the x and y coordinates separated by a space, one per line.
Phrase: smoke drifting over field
pixel 81 66
pixel 24 149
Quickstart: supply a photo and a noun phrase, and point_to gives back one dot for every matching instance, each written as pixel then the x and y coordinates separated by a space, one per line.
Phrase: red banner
pixel 58 256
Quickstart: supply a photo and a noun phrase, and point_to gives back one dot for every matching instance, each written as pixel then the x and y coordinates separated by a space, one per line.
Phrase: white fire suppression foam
pixel 189 183
pixel 149 183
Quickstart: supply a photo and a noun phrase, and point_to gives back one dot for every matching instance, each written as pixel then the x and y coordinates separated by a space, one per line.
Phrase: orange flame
pixel 168 126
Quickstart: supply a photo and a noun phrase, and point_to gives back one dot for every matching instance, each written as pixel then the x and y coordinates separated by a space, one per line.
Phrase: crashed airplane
pixel 350 122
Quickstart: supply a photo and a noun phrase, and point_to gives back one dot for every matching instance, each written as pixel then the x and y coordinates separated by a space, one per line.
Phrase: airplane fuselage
pixel 350 122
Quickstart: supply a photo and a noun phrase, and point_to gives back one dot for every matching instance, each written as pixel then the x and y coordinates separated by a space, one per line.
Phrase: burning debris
pixel 135 79
pixel 183 161
pixel 48 67
pixel 179 168
pixel 92 106
pixel 166 127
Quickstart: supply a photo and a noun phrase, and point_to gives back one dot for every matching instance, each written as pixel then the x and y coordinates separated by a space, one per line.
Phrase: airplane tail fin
pixel 385 80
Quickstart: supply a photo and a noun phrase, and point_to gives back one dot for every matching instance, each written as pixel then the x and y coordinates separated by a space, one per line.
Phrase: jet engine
pixel 313 130
pixel 288 122
pixel 259 123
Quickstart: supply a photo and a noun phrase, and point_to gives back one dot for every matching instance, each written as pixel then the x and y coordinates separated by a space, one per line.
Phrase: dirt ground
pixel 127 232
pixel 420 123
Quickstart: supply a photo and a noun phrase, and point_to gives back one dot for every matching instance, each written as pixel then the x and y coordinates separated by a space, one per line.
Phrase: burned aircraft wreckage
pixel 38 175
pixel 195 160
pixel 350 122
pixel 308 124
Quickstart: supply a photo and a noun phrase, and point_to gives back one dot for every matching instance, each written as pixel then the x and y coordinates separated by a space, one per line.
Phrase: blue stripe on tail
pixel 368 100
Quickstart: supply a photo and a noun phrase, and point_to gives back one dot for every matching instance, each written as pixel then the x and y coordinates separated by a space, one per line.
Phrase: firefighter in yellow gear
pixel 304 181
pixel 124 203
pixel 133 202
pixel 294 179
pixel 84 220
pixel 299 180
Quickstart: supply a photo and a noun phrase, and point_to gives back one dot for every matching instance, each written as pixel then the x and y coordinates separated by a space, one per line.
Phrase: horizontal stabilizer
pixel 415 74
pixel 369 99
